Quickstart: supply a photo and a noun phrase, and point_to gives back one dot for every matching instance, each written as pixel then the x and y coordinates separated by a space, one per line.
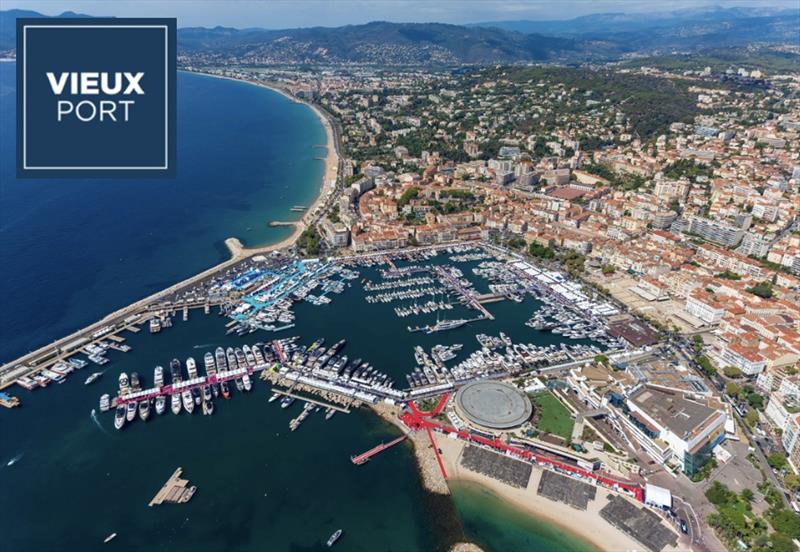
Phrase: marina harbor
pixel 382 276
pixel 463 315
pixel 262 293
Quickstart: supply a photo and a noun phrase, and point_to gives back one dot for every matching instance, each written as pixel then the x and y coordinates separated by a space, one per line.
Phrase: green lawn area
pixel 552 416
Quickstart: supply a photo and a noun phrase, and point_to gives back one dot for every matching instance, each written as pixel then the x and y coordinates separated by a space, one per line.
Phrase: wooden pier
pixel 174 491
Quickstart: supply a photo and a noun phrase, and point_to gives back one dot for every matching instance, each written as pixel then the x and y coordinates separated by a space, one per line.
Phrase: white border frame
pixel 25 28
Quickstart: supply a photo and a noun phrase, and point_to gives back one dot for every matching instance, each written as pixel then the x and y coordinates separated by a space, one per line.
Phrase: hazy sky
pixel 307 13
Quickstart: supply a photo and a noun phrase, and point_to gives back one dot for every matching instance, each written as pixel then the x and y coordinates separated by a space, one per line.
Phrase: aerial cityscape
pixel 522 279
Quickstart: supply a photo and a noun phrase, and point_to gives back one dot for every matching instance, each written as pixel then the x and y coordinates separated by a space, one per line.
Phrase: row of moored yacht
pixel 194 391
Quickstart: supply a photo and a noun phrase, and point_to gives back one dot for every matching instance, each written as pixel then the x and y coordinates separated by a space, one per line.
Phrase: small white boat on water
pixel 332 540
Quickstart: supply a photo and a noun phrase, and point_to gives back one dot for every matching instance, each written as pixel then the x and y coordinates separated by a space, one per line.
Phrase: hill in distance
pixel 596 38
pixel 682 30
pixel 8 24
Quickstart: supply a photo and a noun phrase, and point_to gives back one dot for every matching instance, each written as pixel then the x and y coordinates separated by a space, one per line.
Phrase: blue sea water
pixel 72 251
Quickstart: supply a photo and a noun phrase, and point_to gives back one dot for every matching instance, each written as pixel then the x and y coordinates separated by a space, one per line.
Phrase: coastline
pixel 236 249
pixel 326 189
pixel 427 467
pixel 586 526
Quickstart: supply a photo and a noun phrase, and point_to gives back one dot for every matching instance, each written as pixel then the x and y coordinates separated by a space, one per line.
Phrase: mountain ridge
pixel 594 38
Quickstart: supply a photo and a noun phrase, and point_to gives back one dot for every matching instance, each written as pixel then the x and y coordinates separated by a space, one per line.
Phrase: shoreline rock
pixel 466 547
pixel 427 466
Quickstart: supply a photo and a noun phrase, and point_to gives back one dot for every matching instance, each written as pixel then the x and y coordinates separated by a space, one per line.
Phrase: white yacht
pixel 176 403
pixel 191 367
pixel 188 402
pixel 161 404
pixel 158 376
pixel 119 417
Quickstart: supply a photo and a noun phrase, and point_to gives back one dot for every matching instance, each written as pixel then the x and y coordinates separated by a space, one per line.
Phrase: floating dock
pixel 8 401
pixel 310 400
pixel 174 491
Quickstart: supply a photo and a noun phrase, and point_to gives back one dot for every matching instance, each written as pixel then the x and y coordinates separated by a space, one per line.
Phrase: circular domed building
pixel 493 405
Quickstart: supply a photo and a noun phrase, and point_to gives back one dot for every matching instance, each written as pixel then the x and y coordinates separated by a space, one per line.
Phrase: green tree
pixel 762 289
pixel 776 460
pixel 719 494
pixel 755 400
pixel 686 168
pixel 732 372
pixel 778 542
pixel 309 242
pixel 784 521
pixel 791 481
pixel 407 196
pixel 538 250
pixel 516 243
pixel 728 275
pixel 705 365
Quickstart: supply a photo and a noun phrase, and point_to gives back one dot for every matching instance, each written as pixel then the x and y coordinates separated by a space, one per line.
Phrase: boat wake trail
pixel 14 460
pixel 93 416
pixel 206 346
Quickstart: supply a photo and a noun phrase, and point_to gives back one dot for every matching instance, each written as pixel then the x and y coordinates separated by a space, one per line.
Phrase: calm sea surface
pixel 71 251
pixel 505 528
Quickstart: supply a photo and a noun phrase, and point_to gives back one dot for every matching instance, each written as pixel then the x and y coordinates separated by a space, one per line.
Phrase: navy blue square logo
pixel 96 97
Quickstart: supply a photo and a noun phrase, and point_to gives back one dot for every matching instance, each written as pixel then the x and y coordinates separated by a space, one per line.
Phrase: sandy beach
pixel 328 186
pixel 587 525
